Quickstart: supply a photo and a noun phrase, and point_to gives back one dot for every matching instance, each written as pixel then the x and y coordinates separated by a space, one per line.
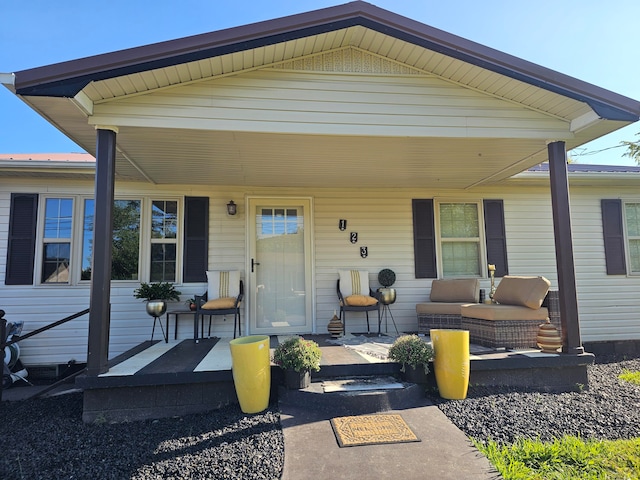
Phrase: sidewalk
pixel 444 452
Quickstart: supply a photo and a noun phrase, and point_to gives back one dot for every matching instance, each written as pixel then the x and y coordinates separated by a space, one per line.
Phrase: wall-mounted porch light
pixel 231 208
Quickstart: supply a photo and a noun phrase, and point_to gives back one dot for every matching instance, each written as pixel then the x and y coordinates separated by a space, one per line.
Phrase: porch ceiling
pixel 67 94
pixel 241 158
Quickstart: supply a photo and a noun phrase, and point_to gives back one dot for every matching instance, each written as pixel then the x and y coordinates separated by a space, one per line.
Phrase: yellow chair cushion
pixel 220 303
pixel 360 301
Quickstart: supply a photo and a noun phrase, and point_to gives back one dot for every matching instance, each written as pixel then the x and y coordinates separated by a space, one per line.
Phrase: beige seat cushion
pixel 523 291
pixel 220 303
pixel 504 312
pixel 459 290
pixel 360 300
pixel 439 308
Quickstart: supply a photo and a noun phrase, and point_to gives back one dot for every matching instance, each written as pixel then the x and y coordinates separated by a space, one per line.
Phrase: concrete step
pixel 354 395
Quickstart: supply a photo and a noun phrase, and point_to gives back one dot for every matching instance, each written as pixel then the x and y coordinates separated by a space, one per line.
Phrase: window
pixel 125 256
pixel 459 239
pixel 632 222
pixel 126 240
pixel 50 239
pixel 56 243
pixel 449 238
pixel 278 221
pixel 621 229
pixel 164 240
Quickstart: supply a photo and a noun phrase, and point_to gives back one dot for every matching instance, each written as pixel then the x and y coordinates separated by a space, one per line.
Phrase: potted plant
pixel 387 277
pixel 298 357
pixel 157 294
pixel 191 303
pixel 412 351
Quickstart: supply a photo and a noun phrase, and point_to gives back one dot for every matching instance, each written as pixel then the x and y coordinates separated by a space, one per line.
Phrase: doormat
pixel 372 430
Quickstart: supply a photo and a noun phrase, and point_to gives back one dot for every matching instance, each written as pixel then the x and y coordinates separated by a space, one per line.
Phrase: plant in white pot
pixel 298 357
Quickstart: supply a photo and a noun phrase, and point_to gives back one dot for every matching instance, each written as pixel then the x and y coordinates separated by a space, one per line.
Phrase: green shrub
pixel 631 377
pixel 298 354
pixel 411 350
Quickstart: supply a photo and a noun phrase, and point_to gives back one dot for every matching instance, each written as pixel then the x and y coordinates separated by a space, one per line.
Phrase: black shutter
pixel 196 239
pixel 22 239
pixel 496 239
pixel 613 230
pixel 424 240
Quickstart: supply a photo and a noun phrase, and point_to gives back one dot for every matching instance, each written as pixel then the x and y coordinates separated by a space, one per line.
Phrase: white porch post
pixel 100 314
pixel 571 342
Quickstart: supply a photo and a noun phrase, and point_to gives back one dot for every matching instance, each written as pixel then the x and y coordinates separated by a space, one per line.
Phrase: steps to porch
pixel 182 377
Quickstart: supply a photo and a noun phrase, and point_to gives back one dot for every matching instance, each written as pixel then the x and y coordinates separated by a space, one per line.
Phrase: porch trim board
pixel 156 380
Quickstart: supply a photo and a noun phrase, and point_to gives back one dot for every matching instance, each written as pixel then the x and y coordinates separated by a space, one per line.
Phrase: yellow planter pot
pixel 451 362
pixel 251 367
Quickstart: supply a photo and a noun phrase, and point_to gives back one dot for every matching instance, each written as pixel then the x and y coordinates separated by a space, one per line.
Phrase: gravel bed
pixel 608 410
pixel 46 439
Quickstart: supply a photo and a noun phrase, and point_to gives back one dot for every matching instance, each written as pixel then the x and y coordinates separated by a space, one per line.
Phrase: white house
pixel 348 137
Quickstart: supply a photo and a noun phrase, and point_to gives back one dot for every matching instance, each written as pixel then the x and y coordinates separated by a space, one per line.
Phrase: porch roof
pixel 77 95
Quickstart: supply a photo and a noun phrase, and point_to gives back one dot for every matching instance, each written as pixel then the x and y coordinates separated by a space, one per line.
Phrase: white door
pixel 279 266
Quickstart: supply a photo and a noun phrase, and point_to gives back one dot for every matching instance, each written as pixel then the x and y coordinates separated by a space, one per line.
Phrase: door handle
pixel 253 263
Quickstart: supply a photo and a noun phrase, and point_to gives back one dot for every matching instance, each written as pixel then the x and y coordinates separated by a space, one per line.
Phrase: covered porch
pixel 340 98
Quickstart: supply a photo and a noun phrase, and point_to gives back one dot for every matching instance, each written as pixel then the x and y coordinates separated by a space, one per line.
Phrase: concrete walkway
pixel 444 452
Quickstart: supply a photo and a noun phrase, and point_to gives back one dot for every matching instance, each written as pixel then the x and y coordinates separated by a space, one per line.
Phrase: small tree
pixel 633 150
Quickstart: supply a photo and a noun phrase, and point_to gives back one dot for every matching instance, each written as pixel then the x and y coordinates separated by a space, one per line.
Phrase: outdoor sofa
pixel 523 303
pixel 443 310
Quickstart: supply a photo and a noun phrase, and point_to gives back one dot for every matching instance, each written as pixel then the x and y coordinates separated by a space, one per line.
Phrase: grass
pixel 631 377
pixel 566 458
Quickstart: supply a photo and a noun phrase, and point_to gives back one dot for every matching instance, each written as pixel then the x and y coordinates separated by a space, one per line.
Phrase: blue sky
pixel 592 40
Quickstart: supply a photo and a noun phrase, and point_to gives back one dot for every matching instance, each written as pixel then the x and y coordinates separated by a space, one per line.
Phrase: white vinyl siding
pixel 383 220
pixel 331 104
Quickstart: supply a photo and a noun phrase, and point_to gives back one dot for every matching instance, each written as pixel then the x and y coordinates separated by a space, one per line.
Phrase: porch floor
pixel 180 377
